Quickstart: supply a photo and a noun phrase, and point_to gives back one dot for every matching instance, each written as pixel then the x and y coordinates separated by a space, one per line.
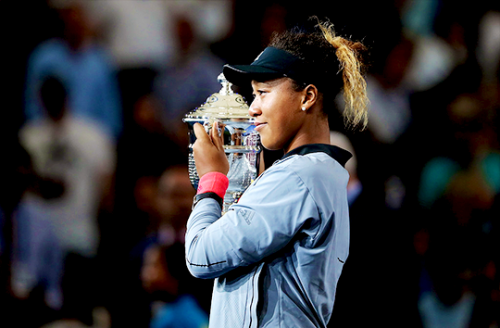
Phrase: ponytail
pixel 354 89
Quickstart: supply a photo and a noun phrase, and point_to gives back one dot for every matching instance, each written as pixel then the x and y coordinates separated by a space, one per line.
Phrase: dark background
pixel 401 249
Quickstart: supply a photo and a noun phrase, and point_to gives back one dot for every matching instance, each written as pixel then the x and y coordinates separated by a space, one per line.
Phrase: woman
pixel 278 253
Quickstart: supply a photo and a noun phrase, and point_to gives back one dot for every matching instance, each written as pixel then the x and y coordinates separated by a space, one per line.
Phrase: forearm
pixel 207 255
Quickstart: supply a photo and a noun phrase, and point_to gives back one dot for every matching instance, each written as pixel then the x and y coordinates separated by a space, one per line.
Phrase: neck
pixel 314 130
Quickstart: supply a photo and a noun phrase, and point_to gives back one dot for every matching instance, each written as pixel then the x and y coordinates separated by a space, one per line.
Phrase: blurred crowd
pixel 94 187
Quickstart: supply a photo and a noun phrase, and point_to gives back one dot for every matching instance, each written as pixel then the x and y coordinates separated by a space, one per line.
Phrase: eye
pixel 258 93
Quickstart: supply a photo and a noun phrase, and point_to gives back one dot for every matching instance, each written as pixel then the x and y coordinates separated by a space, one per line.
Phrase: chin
pixel 272 142
pixel 270 146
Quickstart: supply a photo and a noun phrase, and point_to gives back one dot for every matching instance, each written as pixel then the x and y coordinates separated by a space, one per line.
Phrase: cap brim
pixel 242 75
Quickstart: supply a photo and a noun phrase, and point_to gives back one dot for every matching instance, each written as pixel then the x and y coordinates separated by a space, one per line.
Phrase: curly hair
pixel 338 60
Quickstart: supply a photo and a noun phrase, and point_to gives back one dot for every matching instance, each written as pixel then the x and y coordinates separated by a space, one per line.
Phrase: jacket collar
pixel 337 153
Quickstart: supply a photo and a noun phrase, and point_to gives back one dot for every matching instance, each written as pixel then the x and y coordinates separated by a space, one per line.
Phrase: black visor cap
pixel 272 63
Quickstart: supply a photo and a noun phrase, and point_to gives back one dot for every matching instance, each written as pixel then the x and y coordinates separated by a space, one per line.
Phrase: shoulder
pixel 54 44
pixel 50 49
pixel 278 176
pixel 276 183
pixel 32 131
pixel 314 166
pixel 312 173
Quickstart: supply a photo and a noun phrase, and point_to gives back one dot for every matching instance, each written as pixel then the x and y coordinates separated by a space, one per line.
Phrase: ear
pixel 310 96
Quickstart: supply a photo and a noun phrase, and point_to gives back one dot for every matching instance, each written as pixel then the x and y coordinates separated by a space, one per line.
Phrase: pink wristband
pixel 215 182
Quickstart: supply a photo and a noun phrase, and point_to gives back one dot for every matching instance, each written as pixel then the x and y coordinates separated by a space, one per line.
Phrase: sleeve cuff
pixel 214 182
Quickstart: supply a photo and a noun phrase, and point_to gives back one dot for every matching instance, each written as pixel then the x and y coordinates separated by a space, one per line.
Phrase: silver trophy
pixel 241 142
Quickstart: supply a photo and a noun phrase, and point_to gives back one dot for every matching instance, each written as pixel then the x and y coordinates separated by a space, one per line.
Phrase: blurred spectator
pixel 22 28
pixel 354 185
pixel 100 317
pixel 418 16
pixel 124 27
pixel 431 133
pixel 164 274
pixel 424 194
pixel 137 35
pixel 165 277
pixel 16 177
pixel 144 38
pixel 144 152
pixel 449 303
pixel 128 25
pixel 457 282
pixel 471 175
pixel 212 20
pixel 453 41
pixel 75 161
pixel 84 67
pixel 382 295
pixel 488 48
pixel 174 200
pixel 347 301
pixel 165 201
pixel 253 25
pixel 459 191
pixel 390 113
pixel 193 75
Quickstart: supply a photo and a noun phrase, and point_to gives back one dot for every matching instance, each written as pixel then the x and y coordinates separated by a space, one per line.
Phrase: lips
pixel 259 125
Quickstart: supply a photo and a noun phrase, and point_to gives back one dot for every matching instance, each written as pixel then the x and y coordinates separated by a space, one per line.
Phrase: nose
pixel 254 109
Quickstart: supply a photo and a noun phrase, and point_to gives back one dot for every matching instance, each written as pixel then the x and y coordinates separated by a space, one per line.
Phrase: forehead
pixel 270 83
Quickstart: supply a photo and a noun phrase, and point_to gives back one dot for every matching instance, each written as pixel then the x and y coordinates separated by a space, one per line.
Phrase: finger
pixel 213 131
pixel 221 137
pixel 216 135
pixel 200 133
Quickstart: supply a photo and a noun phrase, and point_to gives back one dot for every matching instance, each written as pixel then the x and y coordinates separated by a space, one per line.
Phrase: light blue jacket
pixel 278 253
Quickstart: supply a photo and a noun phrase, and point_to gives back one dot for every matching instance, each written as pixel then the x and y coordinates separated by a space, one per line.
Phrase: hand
pixel 208 150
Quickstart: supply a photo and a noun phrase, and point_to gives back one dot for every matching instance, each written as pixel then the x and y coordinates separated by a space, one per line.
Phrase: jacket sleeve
pixel 266 218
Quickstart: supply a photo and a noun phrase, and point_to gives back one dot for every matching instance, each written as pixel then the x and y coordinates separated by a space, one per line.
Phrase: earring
pixel 304 108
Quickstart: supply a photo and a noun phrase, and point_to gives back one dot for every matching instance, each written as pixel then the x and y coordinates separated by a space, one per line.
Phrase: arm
pixel 264 221
pixel 266 218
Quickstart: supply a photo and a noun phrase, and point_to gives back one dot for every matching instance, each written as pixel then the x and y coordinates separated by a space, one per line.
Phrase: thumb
pixel 200 133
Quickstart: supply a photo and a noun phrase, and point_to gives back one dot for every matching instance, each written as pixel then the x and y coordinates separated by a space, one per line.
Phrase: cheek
pixel 281 113
pixel 277 134
pixel 287 120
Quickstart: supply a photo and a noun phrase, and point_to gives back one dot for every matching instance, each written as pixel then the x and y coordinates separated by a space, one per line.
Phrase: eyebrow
pixel 268 83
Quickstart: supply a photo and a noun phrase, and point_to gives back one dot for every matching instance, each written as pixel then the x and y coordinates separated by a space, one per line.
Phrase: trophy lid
pixel 223 105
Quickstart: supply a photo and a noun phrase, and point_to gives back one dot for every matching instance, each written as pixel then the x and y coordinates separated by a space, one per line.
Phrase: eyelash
pixel 260 92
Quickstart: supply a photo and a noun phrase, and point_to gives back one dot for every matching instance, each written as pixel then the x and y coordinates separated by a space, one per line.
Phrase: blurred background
pixel 94 192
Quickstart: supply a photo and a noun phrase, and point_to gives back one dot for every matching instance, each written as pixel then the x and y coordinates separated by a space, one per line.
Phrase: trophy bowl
pixel 241 142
